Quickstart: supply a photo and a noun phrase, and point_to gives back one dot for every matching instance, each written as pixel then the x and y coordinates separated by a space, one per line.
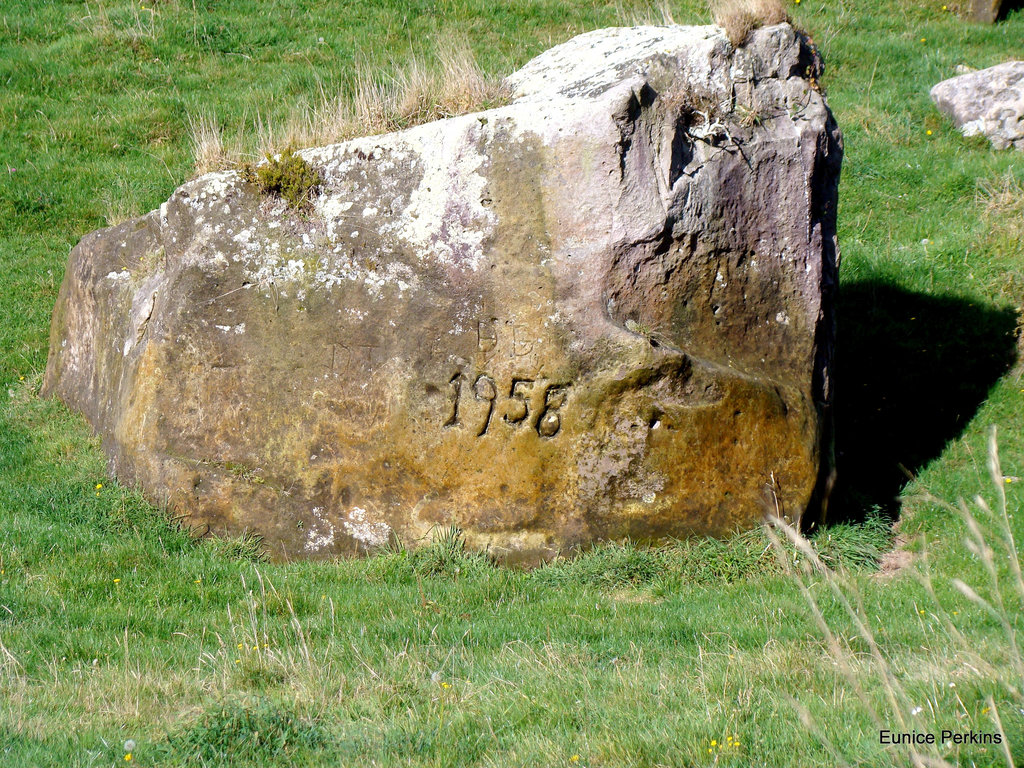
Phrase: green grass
pixel 115 625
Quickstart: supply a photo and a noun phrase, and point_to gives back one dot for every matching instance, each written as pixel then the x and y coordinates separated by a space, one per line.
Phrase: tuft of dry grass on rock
pixel 740 17
pixel 415 94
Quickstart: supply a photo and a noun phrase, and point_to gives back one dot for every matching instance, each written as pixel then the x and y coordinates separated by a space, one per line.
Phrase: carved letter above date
pixel 534 404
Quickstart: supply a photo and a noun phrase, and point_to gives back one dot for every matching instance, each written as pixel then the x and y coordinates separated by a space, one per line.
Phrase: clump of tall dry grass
pixel 453 84
pixel 418 93
pixel 869 668
pixel 1002 197
pixel 206 137
pixel 656 14
pixel 740 17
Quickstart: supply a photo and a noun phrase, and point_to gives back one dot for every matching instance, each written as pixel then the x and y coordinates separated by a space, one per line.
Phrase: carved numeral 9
pixel 484 389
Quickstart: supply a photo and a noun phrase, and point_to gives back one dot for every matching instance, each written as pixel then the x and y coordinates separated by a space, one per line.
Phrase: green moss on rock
pixel 287 176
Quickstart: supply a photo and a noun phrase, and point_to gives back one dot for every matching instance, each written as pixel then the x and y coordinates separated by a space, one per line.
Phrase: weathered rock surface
pixel 603 310
pixel 986 11
pixel 989 102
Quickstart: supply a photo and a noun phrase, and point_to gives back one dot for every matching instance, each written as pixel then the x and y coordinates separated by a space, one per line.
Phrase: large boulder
pixel 989 102
pixel 603 310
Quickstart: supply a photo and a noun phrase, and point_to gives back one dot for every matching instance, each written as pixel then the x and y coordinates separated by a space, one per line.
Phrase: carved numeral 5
pixel 519 407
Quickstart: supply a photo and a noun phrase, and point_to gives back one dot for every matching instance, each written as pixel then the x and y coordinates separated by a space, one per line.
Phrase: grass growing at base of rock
pixel 247 547
pixel 114 625
pixel 706 561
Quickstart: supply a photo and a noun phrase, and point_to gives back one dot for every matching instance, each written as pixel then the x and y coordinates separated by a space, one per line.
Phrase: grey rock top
pixel 595 62
pixel 989 102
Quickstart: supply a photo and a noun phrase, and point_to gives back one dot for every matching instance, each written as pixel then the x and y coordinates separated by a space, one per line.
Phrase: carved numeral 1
pixel 455 389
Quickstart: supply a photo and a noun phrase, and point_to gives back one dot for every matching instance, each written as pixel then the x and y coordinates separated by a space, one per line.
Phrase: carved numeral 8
pixel 550 421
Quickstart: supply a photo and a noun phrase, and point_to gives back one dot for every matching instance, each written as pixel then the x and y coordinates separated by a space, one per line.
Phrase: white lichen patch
pixel 368 533
pixel 450 223
pixel 321 534
pixel 211 185
pixel 596 61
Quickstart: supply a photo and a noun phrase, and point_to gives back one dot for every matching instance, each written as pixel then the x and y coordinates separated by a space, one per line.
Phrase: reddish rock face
pixel 602 311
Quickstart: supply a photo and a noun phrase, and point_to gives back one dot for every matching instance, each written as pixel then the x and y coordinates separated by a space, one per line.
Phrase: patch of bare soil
pixel 896 559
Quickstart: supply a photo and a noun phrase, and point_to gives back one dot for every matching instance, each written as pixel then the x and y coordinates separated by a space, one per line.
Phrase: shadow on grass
pixel 1008 7
pixel 911 371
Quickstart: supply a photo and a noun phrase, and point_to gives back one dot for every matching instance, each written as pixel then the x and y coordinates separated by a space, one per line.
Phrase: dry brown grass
pixel 208 150
pixel 656 14
pixel 740 17
pixel 868 666
pixel 1002 197
pixel 418 93
pixel 1001 200
pixel 119 205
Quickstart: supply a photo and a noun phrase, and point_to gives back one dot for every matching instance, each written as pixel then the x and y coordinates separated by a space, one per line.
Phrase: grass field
pixel 122 640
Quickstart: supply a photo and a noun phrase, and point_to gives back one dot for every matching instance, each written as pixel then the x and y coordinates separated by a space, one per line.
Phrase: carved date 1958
pixel 530 403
